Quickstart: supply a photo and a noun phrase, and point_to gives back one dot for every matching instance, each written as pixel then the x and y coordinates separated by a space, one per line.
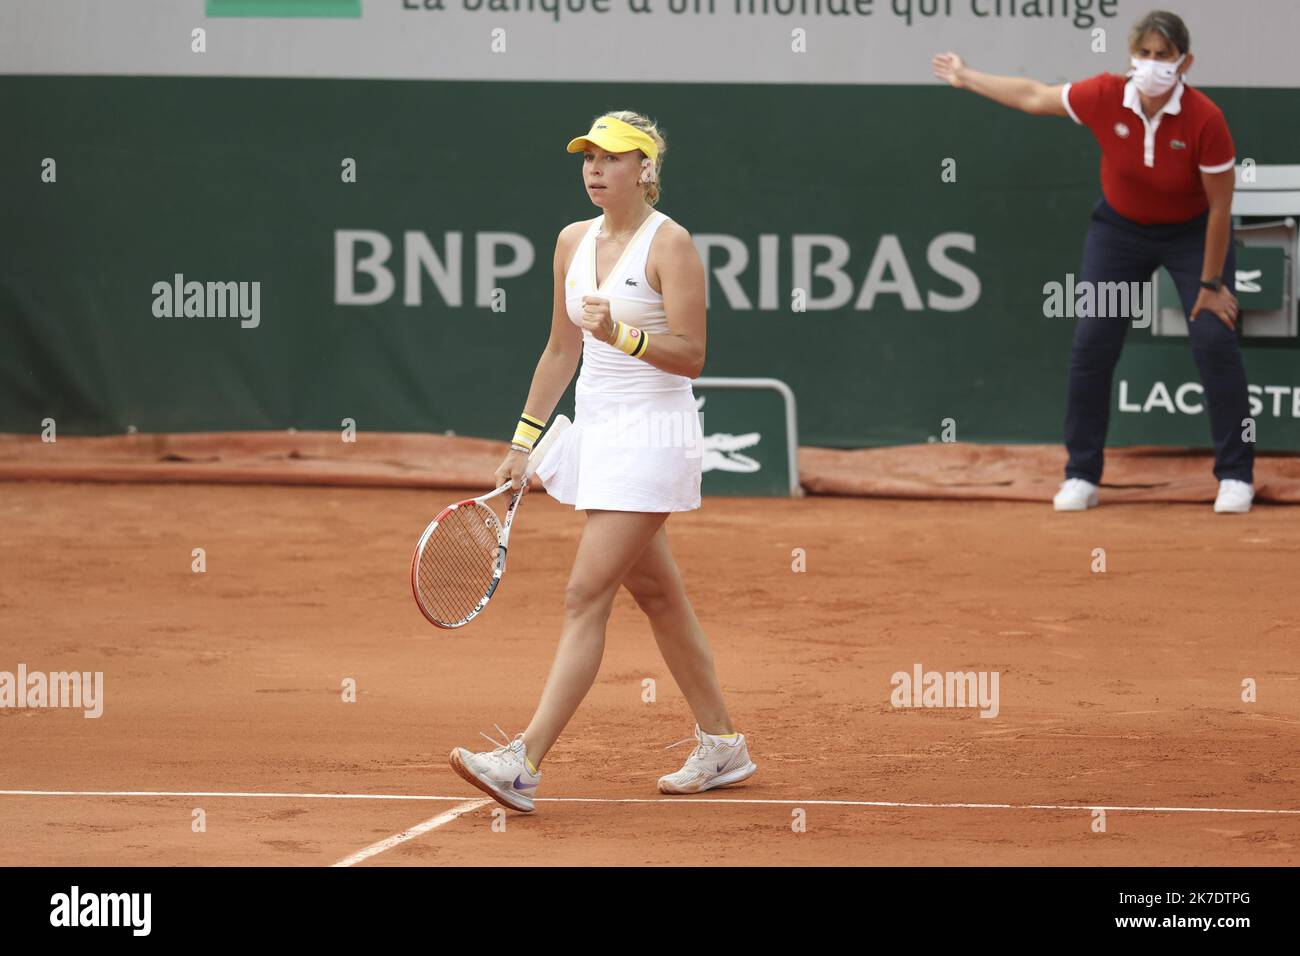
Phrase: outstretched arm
pixel 1028 96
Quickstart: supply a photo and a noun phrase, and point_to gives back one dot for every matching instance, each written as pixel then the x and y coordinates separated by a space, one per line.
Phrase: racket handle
pixel 557 428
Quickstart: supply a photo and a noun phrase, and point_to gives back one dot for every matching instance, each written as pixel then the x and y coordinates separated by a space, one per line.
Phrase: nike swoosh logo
pixel 522 786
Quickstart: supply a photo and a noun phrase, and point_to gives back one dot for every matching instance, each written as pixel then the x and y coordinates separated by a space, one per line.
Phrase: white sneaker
pixel 715 762
pixel 1234 497
pixel 502 773
pixel 1075 495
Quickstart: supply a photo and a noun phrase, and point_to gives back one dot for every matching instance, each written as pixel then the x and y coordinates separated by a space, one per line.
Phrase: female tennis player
pixel 629 301
pixel 1166 180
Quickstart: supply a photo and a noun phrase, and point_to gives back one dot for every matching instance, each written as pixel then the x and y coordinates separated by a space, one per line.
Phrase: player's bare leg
pixel 611 543
pixel 656 584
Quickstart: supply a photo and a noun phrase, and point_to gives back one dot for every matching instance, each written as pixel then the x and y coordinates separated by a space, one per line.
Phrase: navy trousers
pixel 1120 250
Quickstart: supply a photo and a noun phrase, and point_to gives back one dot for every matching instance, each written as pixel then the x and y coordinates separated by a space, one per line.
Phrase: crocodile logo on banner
pixel 1249 281
pixel 722 452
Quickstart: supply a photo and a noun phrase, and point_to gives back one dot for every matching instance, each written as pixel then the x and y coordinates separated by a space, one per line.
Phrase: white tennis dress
pixel 636 442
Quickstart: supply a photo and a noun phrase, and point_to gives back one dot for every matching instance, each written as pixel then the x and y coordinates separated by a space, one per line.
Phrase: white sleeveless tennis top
pixel 606 369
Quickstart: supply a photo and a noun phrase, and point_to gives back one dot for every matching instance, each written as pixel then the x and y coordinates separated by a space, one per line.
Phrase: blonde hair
pixel 647 126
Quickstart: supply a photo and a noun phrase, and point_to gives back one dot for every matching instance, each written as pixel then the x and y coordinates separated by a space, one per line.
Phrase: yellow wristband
pixel 528 430
pixel 630 339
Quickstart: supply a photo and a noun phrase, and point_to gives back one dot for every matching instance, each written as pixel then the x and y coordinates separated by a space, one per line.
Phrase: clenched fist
pixel 596 318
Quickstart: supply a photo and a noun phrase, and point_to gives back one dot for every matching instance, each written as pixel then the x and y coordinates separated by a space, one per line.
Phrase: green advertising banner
pixel 195 254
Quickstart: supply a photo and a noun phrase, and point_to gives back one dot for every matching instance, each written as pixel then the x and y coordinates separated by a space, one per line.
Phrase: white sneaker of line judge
pixel 1076 494
pixel 1234 497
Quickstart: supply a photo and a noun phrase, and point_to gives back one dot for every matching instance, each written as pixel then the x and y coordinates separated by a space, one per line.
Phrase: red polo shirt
pixel 1151 169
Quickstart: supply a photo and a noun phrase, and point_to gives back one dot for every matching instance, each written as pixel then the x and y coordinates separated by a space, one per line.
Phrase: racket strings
pixel 459 557
pixel 457 563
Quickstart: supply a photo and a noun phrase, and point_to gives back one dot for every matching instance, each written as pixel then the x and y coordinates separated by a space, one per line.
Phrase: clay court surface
pixel 1120 689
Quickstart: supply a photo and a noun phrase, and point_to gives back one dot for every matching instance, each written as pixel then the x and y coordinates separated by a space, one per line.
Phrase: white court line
pixel 411 833
pixel 696 801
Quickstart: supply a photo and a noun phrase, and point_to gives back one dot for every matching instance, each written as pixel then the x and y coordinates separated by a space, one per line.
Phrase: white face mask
pixel 1155 77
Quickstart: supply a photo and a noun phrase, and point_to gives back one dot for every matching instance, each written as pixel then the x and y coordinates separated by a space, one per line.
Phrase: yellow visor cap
pixel 615 136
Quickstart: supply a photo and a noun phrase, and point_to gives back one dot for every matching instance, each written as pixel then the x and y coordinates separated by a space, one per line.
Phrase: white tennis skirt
pixel 628 452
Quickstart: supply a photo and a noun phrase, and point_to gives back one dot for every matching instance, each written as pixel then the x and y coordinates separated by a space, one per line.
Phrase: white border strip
pixel 411 833
pixel 1221 168
pixel 704 799
pixel 1065 98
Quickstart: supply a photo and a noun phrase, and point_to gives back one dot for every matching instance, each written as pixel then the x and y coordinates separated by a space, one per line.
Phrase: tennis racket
pixel 461 556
